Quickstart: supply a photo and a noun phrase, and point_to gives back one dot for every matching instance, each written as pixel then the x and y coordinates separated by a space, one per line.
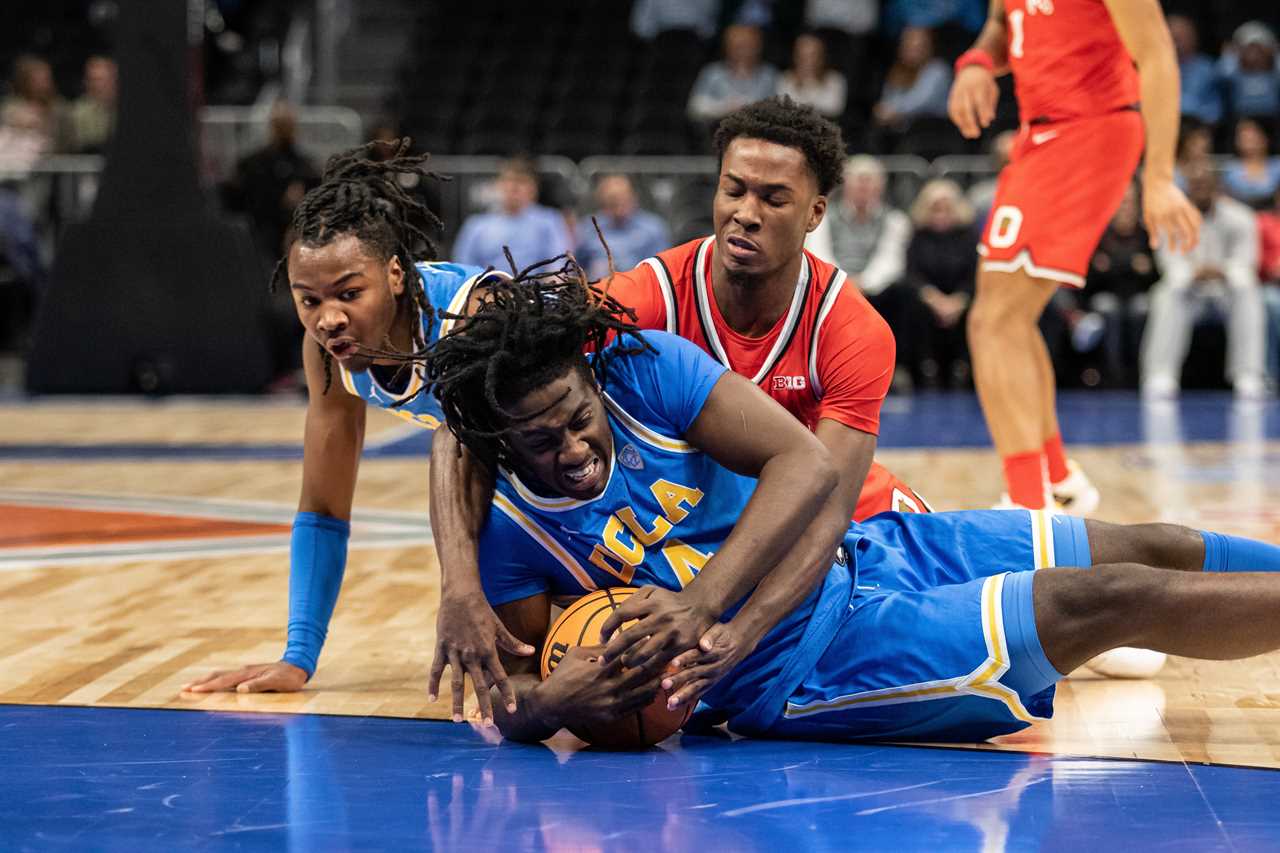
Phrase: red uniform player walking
pixel 1085 110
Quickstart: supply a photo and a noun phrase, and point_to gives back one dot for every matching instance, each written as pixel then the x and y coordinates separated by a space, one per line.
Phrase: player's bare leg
pixel 1080 614
pixel 1013 375
pixel 1166 547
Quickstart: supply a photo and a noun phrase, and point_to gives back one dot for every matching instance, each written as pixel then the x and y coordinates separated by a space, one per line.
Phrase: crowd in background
pixel 882 71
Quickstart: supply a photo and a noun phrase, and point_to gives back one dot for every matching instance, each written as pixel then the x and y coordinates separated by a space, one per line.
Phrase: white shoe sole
pixel 1127 662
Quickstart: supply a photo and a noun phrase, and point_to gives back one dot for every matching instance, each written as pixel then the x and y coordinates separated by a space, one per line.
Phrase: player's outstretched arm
pixel 332 441
pixel 468 632
pixel 747 432
pixel 1170 218
pixel 974 94
pixel 582 689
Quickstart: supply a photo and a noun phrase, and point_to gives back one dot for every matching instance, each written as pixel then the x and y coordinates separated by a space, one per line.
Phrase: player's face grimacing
pixel 345 297
pixel 765 204
pixel 561 436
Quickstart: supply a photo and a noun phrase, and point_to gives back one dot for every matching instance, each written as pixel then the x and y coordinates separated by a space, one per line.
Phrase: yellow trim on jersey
pixel 529 496
pixel 554 548
pixel 982 681
pixel 348 383
pixel 1042 539
pixel 642 432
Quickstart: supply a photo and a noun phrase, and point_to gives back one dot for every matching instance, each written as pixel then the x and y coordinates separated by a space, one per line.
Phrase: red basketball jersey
pixel 831 355
pixel 1067 59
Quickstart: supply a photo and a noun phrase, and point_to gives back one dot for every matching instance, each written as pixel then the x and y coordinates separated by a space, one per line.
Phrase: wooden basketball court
pixel 143 544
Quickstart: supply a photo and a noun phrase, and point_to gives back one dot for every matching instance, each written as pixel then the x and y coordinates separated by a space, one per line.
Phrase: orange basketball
pixel 579 625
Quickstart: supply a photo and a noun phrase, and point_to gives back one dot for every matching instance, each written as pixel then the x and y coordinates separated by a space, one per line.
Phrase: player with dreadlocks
pixel 366 285
pixel 650 464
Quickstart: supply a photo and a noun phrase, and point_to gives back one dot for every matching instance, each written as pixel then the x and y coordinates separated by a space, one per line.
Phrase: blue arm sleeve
pixel 317 560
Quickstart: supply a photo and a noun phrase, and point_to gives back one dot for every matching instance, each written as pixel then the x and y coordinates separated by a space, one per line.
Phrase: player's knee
pixel 983 321
pixel 1098 603
pixel 1168 546
pixel 1164 546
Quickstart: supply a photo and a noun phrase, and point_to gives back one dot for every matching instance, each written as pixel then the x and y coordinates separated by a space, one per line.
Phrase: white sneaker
pixel 1006 502
pixel 1250 387
pixel 1160 386
pixel 1126 662
pixel 1075 494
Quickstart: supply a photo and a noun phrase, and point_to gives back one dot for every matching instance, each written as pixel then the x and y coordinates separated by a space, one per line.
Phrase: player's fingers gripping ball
pixel 579 625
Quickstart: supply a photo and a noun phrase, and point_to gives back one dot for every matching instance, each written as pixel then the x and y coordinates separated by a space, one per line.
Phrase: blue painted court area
pixel 106 779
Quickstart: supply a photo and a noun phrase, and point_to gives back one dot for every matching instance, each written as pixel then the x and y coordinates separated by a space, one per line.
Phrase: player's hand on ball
pixel 468 636
pixel 1170 218
pixel 721 648
pixel 590 690
pixel 972 102
pixel 278 677
pixel 669 623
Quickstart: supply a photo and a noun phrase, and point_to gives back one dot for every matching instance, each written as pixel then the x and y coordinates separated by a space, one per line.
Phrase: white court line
pixel 263 512
pixel 15 560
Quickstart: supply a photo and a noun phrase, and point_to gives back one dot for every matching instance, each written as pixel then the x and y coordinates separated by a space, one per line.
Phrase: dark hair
pixel 526 331
pixel 363 196
pixel 781 120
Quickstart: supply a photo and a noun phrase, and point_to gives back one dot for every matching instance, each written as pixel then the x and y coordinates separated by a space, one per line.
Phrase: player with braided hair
pixel 649 464
pixel 366 286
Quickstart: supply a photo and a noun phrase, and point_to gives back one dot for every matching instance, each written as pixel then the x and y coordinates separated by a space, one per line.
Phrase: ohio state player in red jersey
pixel 1084 109
pixel 829 355
pixel 753 298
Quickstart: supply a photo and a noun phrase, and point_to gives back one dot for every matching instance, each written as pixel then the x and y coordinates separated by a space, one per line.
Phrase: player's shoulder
pixel 647 362
pixel 653 352
pixel 679 258
pixel 842 312
pixel 835 291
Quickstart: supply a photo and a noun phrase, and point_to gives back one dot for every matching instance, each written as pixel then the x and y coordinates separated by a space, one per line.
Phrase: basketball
pixel 579 625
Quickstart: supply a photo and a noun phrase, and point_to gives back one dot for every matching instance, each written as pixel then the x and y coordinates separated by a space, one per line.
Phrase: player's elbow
pixel 822 471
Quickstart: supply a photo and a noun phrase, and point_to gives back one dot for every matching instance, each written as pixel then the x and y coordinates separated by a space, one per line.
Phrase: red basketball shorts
pixel 1063 184
pixel 882 491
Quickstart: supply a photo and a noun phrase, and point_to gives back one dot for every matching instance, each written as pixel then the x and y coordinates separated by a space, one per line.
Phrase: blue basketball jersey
pixel 447 285
pixel 665 509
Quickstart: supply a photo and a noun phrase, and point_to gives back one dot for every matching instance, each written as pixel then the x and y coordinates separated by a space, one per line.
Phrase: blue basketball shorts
pixel 939 642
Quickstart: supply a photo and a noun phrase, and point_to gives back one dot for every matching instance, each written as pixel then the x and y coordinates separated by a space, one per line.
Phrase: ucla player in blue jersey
pixel 650 465
pixel 368 307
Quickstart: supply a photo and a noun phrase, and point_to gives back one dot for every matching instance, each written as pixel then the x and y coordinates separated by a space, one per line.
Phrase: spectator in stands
pixel 1253 175
pixel 848 29
pixel 856 18
pixel 810 81
pixel 532 232
pixel 1250 70
pixel 740 79
pixel 632 233
pixel 267 185
pixel 1221 272
pixel 92 116
pixel 868 239
pixel 1195 146
pixel 1269 273
pixel 941 266
pixel 982 193
pixel 916 85
pixel 861 234
pixel 270 182
pixel 1114 299
pixel 651 17
pixel 33 116
pixel 1201 88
